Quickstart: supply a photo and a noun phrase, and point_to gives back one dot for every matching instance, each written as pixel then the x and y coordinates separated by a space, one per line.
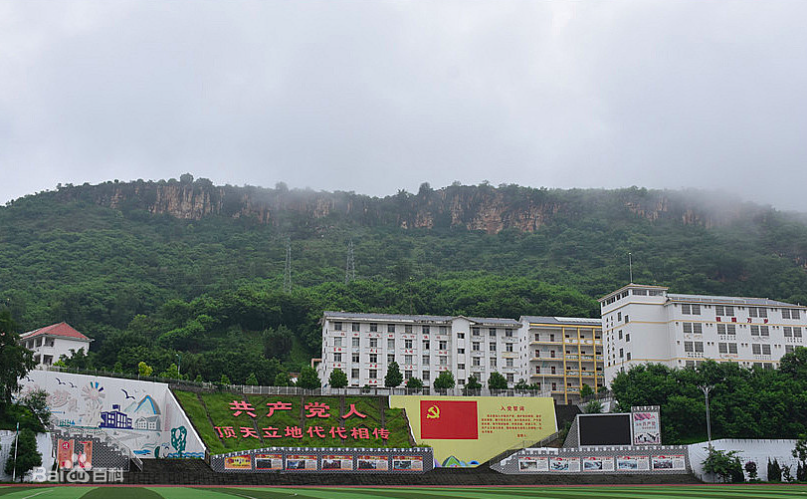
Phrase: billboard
pixel 604 429
pixel 533 464
pixel 467 431
pixel 666 463
pixel 242 462
pixel 598 463
pixel 340 462
pixel 632 463
pixel 646 428
pixel 268 461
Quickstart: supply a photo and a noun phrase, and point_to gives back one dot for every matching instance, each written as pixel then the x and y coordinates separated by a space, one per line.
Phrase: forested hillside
pixel 150 269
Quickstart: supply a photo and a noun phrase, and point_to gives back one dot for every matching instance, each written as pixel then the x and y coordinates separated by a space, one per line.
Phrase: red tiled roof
pixel 62 329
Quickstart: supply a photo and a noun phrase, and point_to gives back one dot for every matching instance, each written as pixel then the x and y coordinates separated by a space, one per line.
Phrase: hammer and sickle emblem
pixel 433 412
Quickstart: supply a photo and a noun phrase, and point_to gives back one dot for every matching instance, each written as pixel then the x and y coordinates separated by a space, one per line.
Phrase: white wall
pixel 758 451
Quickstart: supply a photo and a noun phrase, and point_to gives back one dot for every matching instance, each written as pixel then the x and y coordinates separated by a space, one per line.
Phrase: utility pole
pixel 706 389
pixel 350 265
pixel 287 272
pixel 630 266
pixel 16 443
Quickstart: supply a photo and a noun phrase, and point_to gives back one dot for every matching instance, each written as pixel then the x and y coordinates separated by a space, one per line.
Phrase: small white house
pixel 51 342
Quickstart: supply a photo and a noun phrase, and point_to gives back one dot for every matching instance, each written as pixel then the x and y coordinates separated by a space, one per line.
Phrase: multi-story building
pixel 50 343
pixel 562 354
pixel 644 324
pixel 364 345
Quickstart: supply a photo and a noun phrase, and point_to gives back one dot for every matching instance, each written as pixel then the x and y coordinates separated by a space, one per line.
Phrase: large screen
pixel 605 429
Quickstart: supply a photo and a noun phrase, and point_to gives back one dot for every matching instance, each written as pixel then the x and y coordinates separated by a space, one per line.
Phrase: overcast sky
pixel 375 96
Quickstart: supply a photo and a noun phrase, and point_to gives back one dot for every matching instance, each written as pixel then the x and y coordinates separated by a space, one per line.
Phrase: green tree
pixel 15 360
pixel 394 378
pixel 277 343
pixel 252 380
pixel 28 456
pixel 171 373
pixel 473 384
pixel 725 464
pixel 198 379
pixel 774 471
pixel 593 407
pixel 308 378
pixel 282 379
pixel 586 391
pixel 414 384
pixel 444 381
pixel 337 379
pixel 497 381
pixel 37 402
pixel 144 369
pixel 225 380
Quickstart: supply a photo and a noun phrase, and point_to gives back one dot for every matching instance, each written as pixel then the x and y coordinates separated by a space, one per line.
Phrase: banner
pixel 377 463
pixel 598 463
pixel 528 464
pixel 646 428
pixel 301 462
pixel 242 462
pixel 65 454
pixel 632 463
pixel 337 463
pixel 268 461
pixel 407 463
pixel 85 457
pixel 676 462
pixel 564 464
pixel 467 431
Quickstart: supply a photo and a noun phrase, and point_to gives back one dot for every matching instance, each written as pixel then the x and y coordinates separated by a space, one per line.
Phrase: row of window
pixel 409 328
pixel 731 330
pixel 426 359
pixel 476 346
pixel 730 348
pixel 425 376
pixel 728 311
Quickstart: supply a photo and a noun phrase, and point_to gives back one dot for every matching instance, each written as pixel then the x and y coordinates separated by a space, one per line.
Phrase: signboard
pixel 372 463
pixel 65 454
pixel 598 463
pixel 337 463
pixel 564 464
pixel 242 462
pixel 85 456
pixel 646 428
pixel 632 463
pixel 604 429
pixel 467 431
pixel 301 462
pixel 407 463
pixel 530 464
pixel 676 462
pixel 268 461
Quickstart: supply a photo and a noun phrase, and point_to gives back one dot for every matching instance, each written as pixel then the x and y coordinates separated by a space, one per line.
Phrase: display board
pixel 467 431
pixel 646 428
pixel 604 429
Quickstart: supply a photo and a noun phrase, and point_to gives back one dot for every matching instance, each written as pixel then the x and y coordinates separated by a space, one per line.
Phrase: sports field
pixel 630 492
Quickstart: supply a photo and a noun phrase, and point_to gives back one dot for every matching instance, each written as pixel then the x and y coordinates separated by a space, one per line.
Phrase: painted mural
pixel 143 415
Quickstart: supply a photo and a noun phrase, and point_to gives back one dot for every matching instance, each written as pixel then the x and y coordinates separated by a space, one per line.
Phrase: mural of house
pixel 147 414
pixel 115 418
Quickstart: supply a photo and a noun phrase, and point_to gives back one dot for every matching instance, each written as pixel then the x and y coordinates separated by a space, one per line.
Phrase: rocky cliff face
pixel 482 208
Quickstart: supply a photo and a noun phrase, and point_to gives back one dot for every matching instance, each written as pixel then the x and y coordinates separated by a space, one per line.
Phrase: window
pixel 373 358
pixel 476 362
pixel 337 326
pixel 354 327
pixel 628 357
pixel 756 349
pixel 785 313
pixel 443 329
pixel 408 360
pixel 731 329
pixel 443 344
pixel 723 347
pixel 627 337
pixel 408 328
pixel 508 347
pixel 373 328
pixel 461 382
pixel 337 342
pixel 355 342
pixel 752 311
pixel 699 346
pixel 492 346
pixel 724 310
pixel 492 331
pixel 425 329
pixel 390 328
pixel 763 330
pixel 475 346
pixel 460 336
pixel 794 314
pixel 337 357
pixel 492 361
pixel 510 377
pixel 426 375
pixel 355 358
pixel 354 373
pixel 788 331
pixel 639 292
pixel 426 344
pixel 408 344
pixel 443 360
pixel 391 344
pixel 766 349
pixel 508 333
pixel 754 330
pixel 407 375
pixel 619 316
pixel 461 366
pixel 390 358
pixel 690 363
pixel 697 328
pixel 685 309
pixel 621 352
pixel 475 331
pixel 797 332
pixel 508 362
pixel 620 332
pixel 789 348
pixel 733 348
pixel 425 360
pixel 373 374
pixel 627 319
pixel 688 346
pixel 461 351
pixel 373 342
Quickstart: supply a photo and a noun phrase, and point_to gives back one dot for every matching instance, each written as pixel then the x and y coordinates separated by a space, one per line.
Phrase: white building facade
pixel 51 342
pixel 646 324
pixel 364 345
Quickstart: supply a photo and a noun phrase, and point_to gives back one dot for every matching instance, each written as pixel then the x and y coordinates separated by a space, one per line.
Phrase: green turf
pixel 537 492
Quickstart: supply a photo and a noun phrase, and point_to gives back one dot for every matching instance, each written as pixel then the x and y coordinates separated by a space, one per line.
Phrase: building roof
pixel 731 300
pixel 60 330
pixel 418 318
pixel 566 321
pixel 633 285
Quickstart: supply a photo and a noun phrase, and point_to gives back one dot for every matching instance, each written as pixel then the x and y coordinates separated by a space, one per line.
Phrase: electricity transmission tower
pixel 287 272
pixel 350 266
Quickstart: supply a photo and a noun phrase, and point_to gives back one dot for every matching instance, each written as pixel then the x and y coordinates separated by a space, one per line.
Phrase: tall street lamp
pixel 706 389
